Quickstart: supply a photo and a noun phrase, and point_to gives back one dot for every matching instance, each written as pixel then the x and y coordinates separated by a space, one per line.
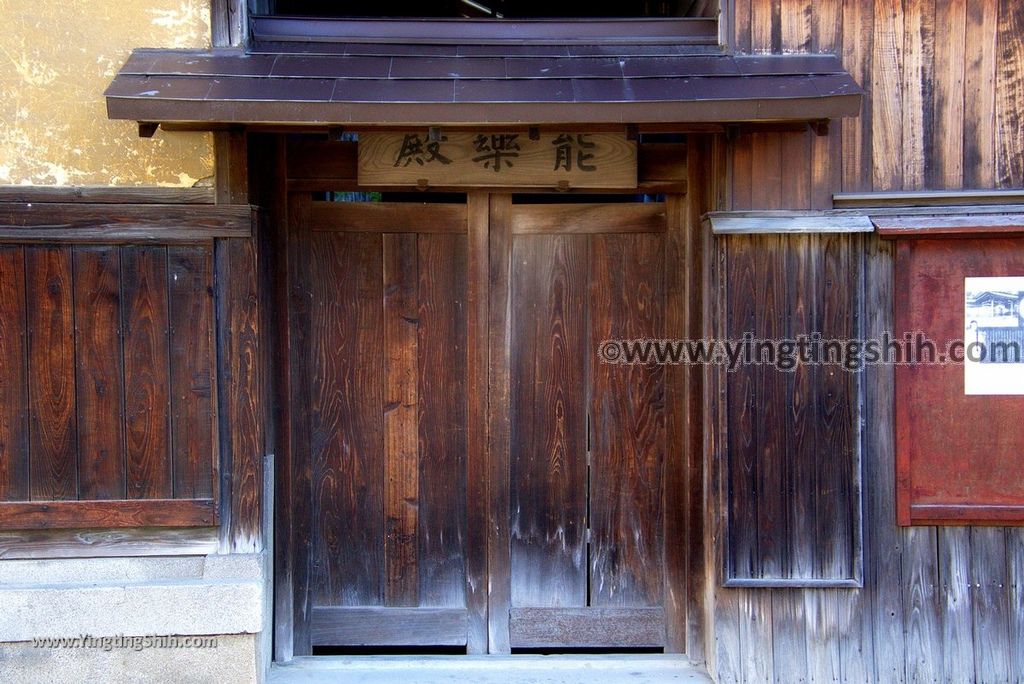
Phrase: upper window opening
pixel 496 9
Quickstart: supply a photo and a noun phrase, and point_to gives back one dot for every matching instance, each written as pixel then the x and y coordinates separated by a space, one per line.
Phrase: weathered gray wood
pixel 756 636
pixel 921 606
pixel 101 543
pixel 751 222
pixel 925 198
pixel 989 603
pixel 954 572
pixel 789 636
pixel 388 626
pixel 882 553
pixel 588 627
pixel 1015 577
pixel 824 630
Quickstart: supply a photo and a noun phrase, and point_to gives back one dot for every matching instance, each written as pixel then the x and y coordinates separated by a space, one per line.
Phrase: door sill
pixel 516 669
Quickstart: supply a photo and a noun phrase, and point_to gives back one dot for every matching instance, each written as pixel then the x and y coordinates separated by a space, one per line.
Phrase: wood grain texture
pixel 589 218
pixel 104 194
pixel 950 95
pixel 99 375
pixel 477 309
pixel 106 543
pixel 115 223
pixel 498 428
pixel 1009 96
pixel 441 349
pixel 14 448
pixel 405 627
pixel 144 280
pixel 992 646
pixel 917 89
pixel 587 627
pixel 549 450
pixel 401 452
pixel 954 573
pixel 628 422
pixel 887 96
pixel 240 389
pixel 389 217
pixel 979 144
pixel 346 406
pixel 192 390
pixel 107 514
pixel 53 424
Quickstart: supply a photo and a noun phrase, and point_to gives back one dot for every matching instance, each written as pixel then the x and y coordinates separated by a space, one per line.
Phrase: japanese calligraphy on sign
pixel 567 159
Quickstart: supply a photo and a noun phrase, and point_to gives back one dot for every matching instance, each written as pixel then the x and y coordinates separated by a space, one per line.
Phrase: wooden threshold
pixel 334 626
pixel 587 627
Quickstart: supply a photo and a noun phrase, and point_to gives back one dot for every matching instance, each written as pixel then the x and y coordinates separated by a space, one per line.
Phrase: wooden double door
pixel 467 472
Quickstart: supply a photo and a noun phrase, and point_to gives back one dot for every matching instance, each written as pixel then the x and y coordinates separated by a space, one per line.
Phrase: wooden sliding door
pixel 587 448
pixel 464 470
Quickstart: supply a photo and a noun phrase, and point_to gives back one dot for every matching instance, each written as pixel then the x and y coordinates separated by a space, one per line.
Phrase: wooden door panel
pixel 387 407
pixel 627 423
pixel 441 345
pixel 346 408
pixel 548 468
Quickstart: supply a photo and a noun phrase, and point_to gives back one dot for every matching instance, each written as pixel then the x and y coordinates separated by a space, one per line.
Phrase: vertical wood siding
pixel 945 84
pixel 105 389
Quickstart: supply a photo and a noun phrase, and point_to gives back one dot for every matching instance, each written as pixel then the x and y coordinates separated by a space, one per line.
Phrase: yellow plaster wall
pixel 56 59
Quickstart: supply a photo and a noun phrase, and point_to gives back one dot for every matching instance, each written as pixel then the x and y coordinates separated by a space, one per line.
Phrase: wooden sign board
pixel 567 160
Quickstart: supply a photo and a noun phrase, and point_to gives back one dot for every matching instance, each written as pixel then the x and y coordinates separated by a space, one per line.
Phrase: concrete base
pixel 110 604
pixel 522 669
pixel 233 661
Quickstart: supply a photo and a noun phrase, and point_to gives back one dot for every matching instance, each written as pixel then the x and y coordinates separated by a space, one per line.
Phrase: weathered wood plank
pixel 954 572
pixel 401 413
pixel 104 194
pixel 587 627
pixel 477 578
pixel 193 444
pixel 1009 96
pixel 53 436
pixel 918 103
pixel 979 116
pixel 921 612
pixel 99 373
pixel 240 388
pixel 144 287
pixel 14 448
pixel 887 96
pixel 388 217
pixel 1015 584
pixel 882 560
pixel 498 437
pixel 857 134
pixel 628 421
pixel 442 419
pixel 789 635
pixel 336 626
pixel 589 218
pixel 103 543
pixel 548 459
pixel 948 128
pixel 346 406
pixel 110 223
pixel 107 513
pixel 992 646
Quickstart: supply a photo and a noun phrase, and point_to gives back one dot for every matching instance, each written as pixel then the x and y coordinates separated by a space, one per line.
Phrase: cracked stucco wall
pixel 56 59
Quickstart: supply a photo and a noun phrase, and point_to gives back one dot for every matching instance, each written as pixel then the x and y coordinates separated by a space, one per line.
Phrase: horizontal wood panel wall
pixel 943 111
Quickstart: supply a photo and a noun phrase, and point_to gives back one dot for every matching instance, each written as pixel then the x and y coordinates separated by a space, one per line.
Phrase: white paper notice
pixel 994 335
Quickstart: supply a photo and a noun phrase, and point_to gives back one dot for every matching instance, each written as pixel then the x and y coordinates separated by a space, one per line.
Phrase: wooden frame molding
pixel 41 515
pixel 73 222
pixel 768 222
